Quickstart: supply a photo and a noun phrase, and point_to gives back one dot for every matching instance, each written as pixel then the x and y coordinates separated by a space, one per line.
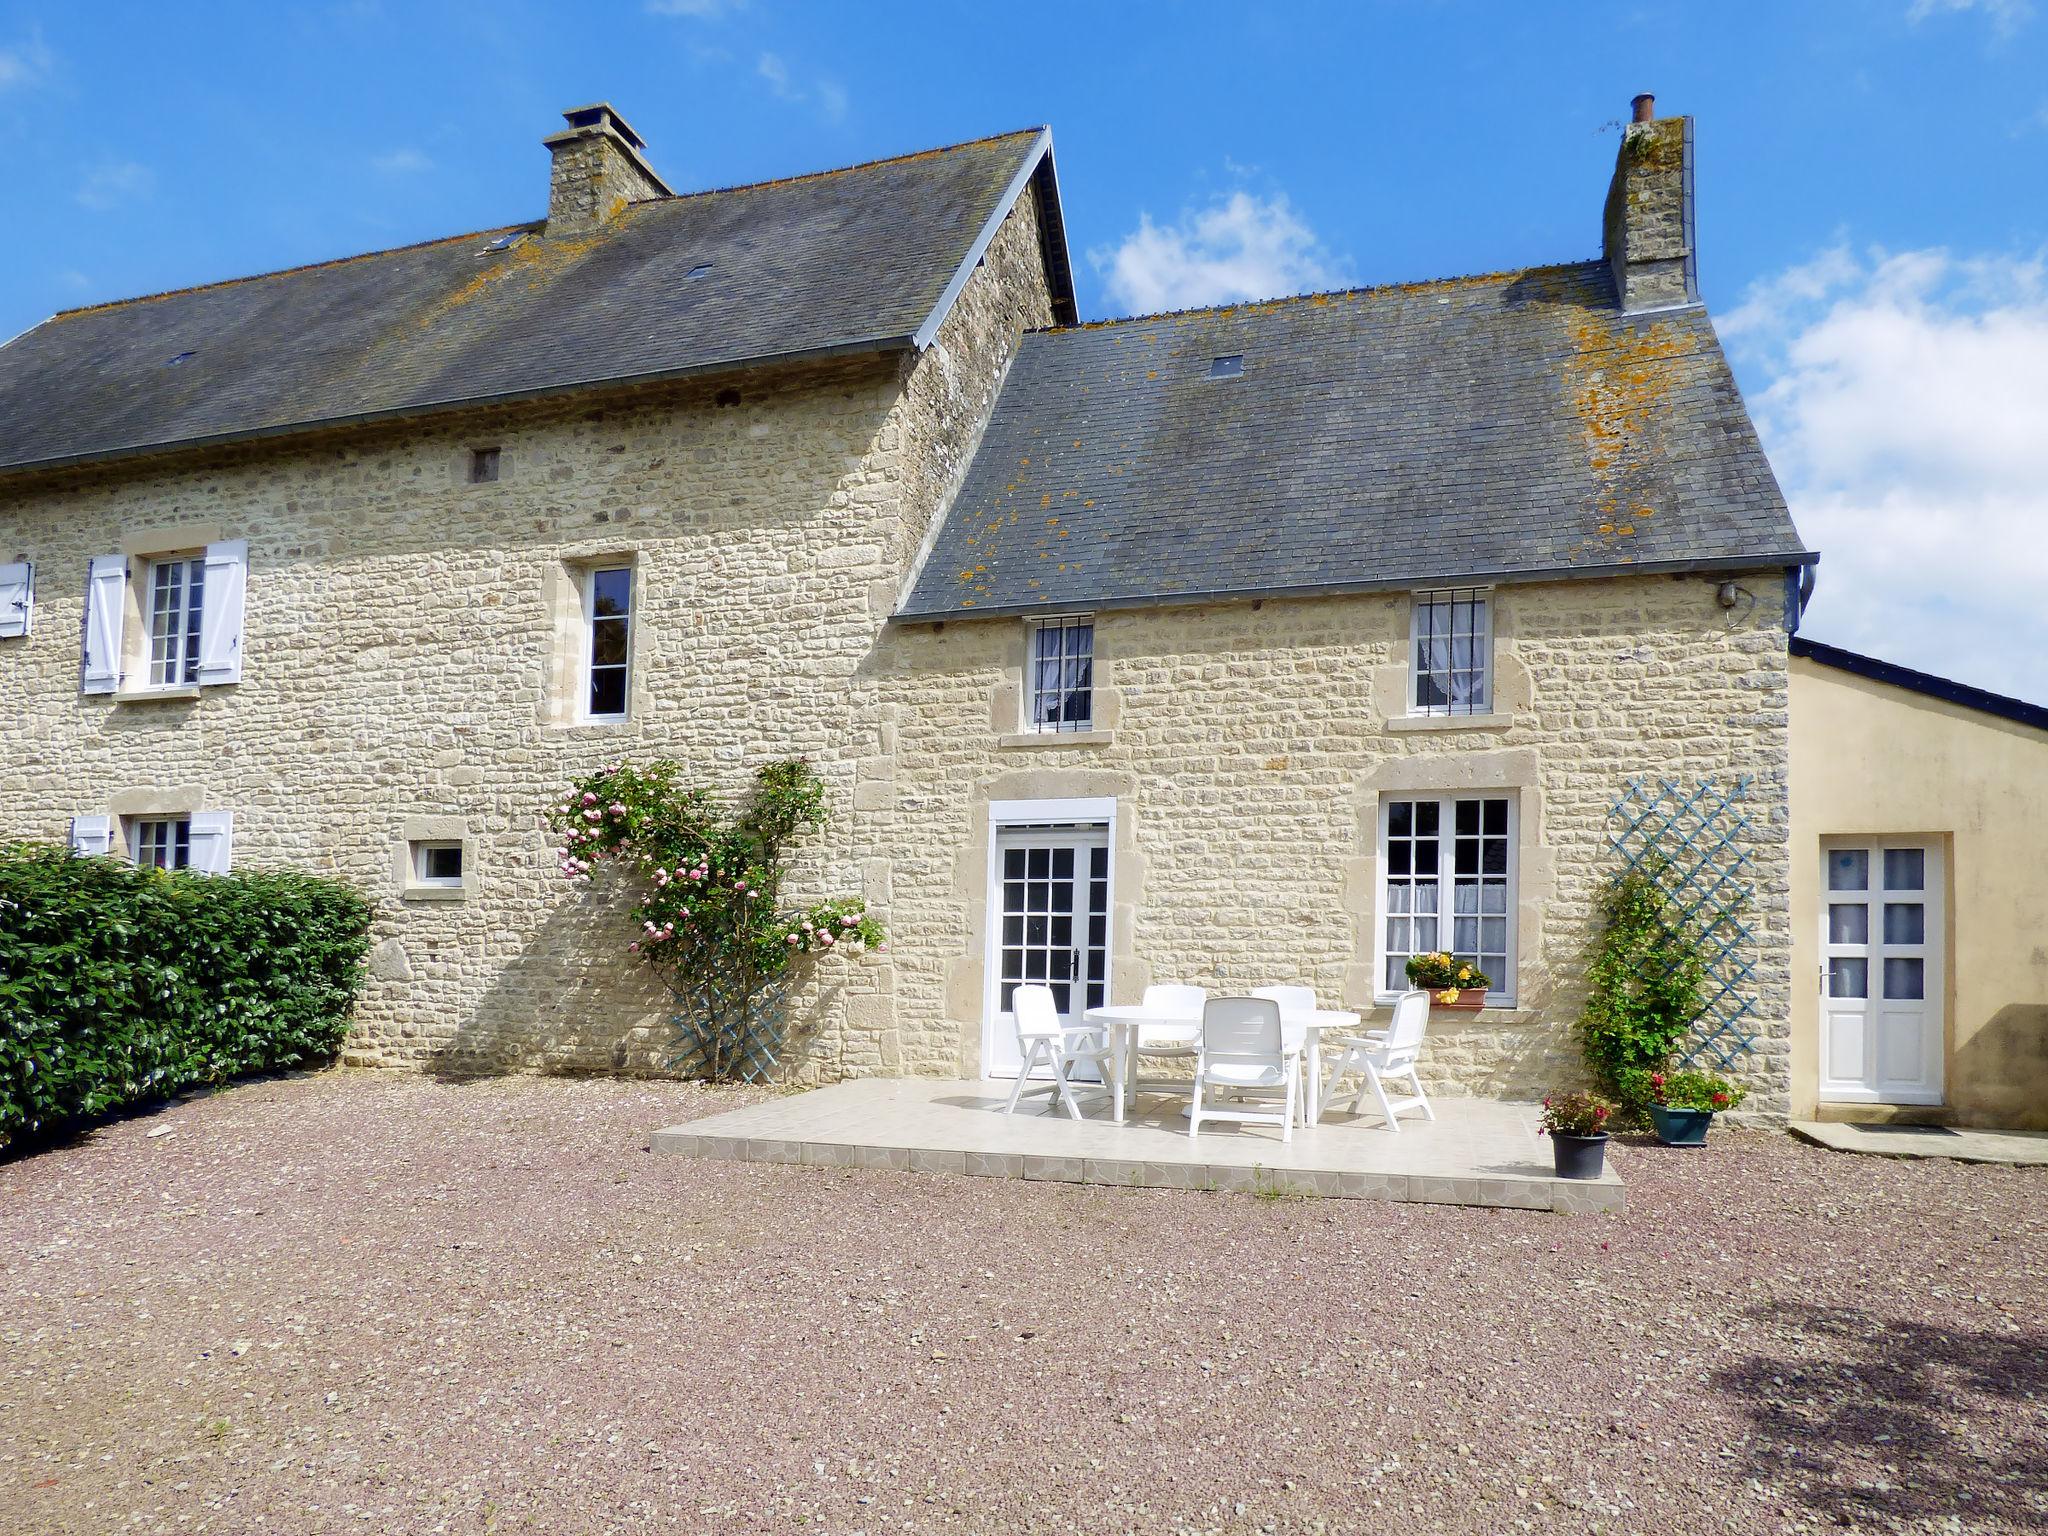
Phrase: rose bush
pixel 709 912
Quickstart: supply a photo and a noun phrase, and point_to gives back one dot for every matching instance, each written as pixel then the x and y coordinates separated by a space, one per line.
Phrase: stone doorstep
pixel 905 1149
pixel 1903 1140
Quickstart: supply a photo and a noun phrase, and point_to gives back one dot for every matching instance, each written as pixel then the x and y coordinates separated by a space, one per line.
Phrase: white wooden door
pixel 1049 915
pixel 1882 984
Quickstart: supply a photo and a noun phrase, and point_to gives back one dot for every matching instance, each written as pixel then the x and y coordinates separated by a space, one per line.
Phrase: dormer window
pixel 1227 367
pixel 1450 657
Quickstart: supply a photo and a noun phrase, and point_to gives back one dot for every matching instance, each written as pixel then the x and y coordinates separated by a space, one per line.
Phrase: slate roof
pixel 1505 427
pixel 855 259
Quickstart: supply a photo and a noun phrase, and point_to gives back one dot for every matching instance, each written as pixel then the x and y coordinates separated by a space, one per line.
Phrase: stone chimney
pixel 1648 228
pixel 598 169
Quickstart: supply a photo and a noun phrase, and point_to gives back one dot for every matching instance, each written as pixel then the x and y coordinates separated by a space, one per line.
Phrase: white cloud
pixel 829 96
pixel 116 182
pixel 26 63
pixel 1239 247
pixel 771 68
pixel 2006 16
pixel 403 161
pixel 1903 412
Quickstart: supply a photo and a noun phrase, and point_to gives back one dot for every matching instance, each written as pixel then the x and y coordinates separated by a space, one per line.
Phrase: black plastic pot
pixel 1578 1157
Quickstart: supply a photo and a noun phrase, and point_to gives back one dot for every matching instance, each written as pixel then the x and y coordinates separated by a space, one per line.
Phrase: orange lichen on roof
pixel 1618 382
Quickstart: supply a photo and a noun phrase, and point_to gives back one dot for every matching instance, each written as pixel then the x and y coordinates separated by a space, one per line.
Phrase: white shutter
pixel 211 840
pixel 17 598
pixel 220 614
pixel 106 599
pixel 92 834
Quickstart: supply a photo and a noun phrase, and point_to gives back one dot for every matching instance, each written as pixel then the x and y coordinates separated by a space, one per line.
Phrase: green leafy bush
pixel 119 986
pixel 1648 984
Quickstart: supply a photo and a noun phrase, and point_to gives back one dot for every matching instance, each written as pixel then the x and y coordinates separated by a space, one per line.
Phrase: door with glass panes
pixel 1050 915
pixel 1881 977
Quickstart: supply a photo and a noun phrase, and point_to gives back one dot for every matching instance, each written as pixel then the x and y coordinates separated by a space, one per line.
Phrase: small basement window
pixel 438 864
pixel 1227 367
pixel 483 465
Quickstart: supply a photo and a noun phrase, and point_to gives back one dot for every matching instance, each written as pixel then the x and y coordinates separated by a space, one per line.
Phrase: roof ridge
pixel 535 225
pixel 304 266
pixel 1314 294
pixel 841 170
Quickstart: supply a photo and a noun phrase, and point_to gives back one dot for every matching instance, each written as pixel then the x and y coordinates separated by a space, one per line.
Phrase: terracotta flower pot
pixel 1468 1000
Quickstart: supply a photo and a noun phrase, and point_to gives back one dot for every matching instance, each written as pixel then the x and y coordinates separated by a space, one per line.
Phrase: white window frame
pixel 587 671
pixel 1502 993
pixel 424 846
pixel 171 826
pixel 182 652
pixel 1423 602
pixel 1035 629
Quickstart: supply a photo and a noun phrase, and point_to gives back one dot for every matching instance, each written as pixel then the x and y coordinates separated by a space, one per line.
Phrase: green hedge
pixel 119 986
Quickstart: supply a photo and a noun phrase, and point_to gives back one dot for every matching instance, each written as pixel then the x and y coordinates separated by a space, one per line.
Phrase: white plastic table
pixel 1123 1021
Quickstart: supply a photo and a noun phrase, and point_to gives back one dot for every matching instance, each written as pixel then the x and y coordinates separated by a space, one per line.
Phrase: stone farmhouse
pixel 1272 642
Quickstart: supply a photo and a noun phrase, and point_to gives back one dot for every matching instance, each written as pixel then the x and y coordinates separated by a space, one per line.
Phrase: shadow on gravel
pixel 1874 1422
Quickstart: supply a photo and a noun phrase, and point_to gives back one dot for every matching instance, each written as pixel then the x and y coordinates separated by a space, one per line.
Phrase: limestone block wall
pixel 1247 747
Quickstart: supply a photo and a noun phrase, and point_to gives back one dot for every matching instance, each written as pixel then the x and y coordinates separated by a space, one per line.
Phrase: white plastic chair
pixel 1245 1050
pixel 1383 1055
pixel 1172 1040
pixel 1295 1003
pixel 1044 1037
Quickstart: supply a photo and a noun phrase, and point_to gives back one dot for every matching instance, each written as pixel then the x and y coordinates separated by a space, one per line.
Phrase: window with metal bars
pixel 177 596
pixel 1451 660
pixel 1061 682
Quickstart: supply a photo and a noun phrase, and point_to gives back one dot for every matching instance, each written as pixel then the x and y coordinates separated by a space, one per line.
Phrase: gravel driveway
pixel 373 1302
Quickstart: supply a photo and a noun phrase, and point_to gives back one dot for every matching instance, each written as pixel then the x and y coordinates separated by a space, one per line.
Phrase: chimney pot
pixel 1647 227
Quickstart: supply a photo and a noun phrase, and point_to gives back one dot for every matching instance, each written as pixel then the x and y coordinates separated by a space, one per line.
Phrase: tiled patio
pixel 1478 1152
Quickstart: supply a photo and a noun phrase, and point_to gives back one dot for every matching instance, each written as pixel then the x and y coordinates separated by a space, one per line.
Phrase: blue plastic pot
pixel 1681 1127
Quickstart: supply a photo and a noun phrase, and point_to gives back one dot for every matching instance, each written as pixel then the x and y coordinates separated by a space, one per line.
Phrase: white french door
pixel 1049 915
pixel 1881 981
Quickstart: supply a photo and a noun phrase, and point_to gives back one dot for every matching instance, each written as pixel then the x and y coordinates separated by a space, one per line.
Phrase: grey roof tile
pixel 809 264
pixel 1488 427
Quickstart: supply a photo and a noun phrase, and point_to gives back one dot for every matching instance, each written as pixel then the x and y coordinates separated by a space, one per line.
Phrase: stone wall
pixel 1247 748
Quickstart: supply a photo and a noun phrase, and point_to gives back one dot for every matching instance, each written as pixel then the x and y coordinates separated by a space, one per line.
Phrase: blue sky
pixel 1873 189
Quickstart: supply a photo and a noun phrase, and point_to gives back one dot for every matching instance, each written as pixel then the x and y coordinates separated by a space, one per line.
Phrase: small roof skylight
pixel 703 269
pixel 503 242
pixel 1227 367
pixel 182 357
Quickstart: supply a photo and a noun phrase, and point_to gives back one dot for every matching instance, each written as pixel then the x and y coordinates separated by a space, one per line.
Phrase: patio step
pixel 1477 1152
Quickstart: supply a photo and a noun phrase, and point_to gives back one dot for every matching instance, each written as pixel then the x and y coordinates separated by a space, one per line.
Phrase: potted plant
pixel 1450 982
pixel 1683 1104
pixel 1576 1124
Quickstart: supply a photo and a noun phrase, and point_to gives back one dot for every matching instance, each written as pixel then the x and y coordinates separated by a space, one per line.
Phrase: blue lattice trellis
pixel 1693 843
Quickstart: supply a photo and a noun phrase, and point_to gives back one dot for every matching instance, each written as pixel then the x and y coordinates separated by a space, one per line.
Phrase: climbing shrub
pixel 119 986
pixel 707 881
pixel 1647 979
